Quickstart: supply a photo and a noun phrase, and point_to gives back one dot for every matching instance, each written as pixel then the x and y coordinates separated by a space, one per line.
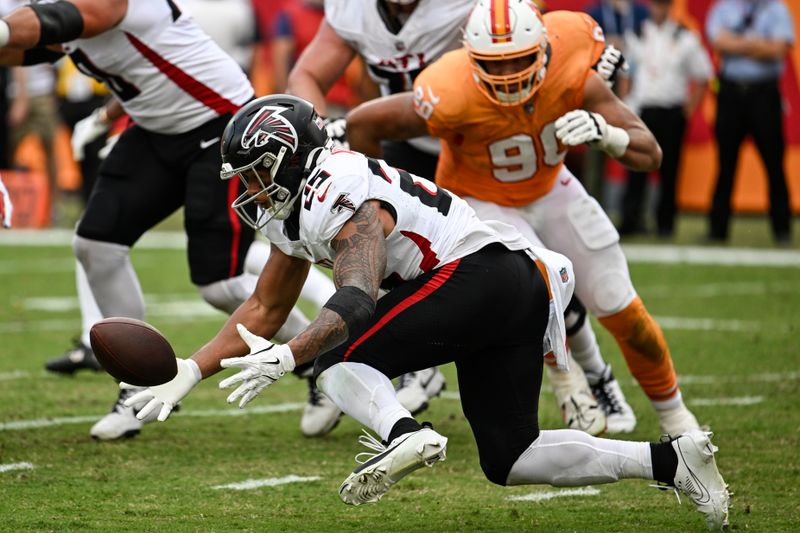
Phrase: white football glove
pixel 6 207
pixel 336 128
pixel 610 64
pixel 166 396
pixel 266 364
pixel 580 126
pixel 86 131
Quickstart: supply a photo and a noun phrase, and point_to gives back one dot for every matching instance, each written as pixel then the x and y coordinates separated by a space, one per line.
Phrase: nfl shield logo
pixel 564 275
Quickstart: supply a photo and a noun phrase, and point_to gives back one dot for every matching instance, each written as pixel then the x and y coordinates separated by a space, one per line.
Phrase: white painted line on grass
pixel 14 374
pixel 705 255
pixel 712 324
pixel 737 400
pixel 765 377
pixel 251 484
pixel 61 421
pixel 544 496
pixel 15 466
pixel 636 253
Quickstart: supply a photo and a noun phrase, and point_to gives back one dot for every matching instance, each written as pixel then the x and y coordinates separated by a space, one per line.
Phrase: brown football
pixel 133 351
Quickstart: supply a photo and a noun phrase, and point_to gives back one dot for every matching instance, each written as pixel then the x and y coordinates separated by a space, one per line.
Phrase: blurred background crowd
pixel 718 90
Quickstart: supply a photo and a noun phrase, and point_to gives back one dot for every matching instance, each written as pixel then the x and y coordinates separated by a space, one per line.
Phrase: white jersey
pixel 433 227
pixel 394 59
pixel 169 76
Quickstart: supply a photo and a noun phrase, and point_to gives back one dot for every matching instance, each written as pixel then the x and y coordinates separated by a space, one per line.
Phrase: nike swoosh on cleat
pixel 210 142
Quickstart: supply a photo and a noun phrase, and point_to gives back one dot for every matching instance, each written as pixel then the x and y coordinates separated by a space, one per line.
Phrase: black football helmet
pixel 277 140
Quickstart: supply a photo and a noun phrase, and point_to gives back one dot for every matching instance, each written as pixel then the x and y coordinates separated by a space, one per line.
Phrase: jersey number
pixel 122 89
pixel 514 158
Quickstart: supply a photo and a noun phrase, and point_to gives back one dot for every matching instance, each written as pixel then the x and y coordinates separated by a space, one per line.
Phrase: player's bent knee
pixel 612 292
pixel 228 294
pixel 97 255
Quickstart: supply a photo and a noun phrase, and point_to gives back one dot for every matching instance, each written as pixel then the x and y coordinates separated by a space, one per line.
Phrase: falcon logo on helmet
pixel 280 129
pixel 502 35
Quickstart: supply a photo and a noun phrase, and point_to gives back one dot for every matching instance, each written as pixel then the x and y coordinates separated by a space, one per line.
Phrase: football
pixel 133 351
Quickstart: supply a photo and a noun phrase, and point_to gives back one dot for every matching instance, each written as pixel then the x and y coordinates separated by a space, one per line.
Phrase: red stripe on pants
pixel 426 290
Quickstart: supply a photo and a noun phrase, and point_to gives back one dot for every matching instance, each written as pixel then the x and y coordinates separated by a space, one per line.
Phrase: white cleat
pixel 677 421
pixel 620 417
pixel 415 389
pixel 121 422
pixel 320 415
pixel 698 478
pixel 379 471
pixel 581 411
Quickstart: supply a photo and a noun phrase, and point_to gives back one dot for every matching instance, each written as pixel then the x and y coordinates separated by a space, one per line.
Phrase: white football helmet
pixel 502 30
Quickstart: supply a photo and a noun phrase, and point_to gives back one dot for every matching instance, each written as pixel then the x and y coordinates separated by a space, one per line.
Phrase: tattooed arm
pixel 360 263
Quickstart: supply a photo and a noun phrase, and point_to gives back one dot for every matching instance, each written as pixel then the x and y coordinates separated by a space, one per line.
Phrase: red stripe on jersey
pixel 426 290
pixel 236 225
pixel 191 86
pixel 429 258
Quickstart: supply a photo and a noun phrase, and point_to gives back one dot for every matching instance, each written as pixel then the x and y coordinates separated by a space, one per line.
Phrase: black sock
pixel 665 462
pixel 403 426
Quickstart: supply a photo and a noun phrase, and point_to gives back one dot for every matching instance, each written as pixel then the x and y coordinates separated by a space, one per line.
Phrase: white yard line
pixel 735 401
pixel 60 421
pixel 636 253
pixel 251 484
pixel 549 495
pixel 14 374
pixel 714 324
pixel 15 466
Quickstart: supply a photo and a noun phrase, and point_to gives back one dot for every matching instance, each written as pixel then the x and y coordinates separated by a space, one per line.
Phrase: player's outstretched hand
pixel 6 207
pixel 610 64
pixel 166 396
pixel 266 364
pixel 86 131
pixel 579 127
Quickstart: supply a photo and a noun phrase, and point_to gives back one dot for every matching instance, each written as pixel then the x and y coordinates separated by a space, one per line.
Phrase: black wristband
pixel 353 305
pixel 60 22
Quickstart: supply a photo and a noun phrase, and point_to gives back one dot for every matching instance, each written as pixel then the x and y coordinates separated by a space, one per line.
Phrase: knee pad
pixel 574 316
pixel 98 256
pixel 612 292
pixel 228 294
pixel 591 224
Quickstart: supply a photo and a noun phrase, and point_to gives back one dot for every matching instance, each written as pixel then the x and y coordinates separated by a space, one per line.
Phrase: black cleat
pixel 77 358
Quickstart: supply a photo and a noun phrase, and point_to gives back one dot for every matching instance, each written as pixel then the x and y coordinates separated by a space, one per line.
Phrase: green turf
pixel 163 479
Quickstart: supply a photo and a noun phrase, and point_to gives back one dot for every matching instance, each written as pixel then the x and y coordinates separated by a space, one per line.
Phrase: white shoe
pixel 320 415
pixel 620 417
pixel 415 389
pixel 698 478
pixel 121 422
pixel 379 471
pixel 677 421
pixel 581 411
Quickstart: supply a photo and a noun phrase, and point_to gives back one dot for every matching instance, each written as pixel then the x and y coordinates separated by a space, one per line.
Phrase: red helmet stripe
pixel 501 21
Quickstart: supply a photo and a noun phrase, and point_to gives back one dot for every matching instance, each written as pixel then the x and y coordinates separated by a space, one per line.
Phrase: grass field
pixel 733 332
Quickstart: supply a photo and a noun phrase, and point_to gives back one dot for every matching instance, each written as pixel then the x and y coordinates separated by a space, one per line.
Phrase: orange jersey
pixel 507 155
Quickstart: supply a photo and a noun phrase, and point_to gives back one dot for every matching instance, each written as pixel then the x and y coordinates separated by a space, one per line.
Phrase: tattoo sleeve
pixel 360 262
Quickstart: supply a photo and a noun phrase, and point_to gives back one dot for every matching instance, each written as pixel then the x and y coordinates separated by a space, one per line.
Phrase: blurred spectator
pixel 752 38
pixel 33 112
pixel 671 73
pixel 295 26
pixel 79 95
pixel 230 23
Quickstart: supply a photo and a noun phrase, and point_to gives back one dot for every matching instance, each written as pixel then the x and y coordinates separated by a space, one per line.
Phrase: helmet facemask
pixel 496 39
pixel 276 200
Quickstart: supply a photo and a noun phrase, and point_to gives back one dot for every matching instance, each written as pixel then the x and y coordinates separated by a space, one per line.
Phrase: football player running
pixel 507 107
pixel 397 39
pixel 452 279
pixel 180 89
